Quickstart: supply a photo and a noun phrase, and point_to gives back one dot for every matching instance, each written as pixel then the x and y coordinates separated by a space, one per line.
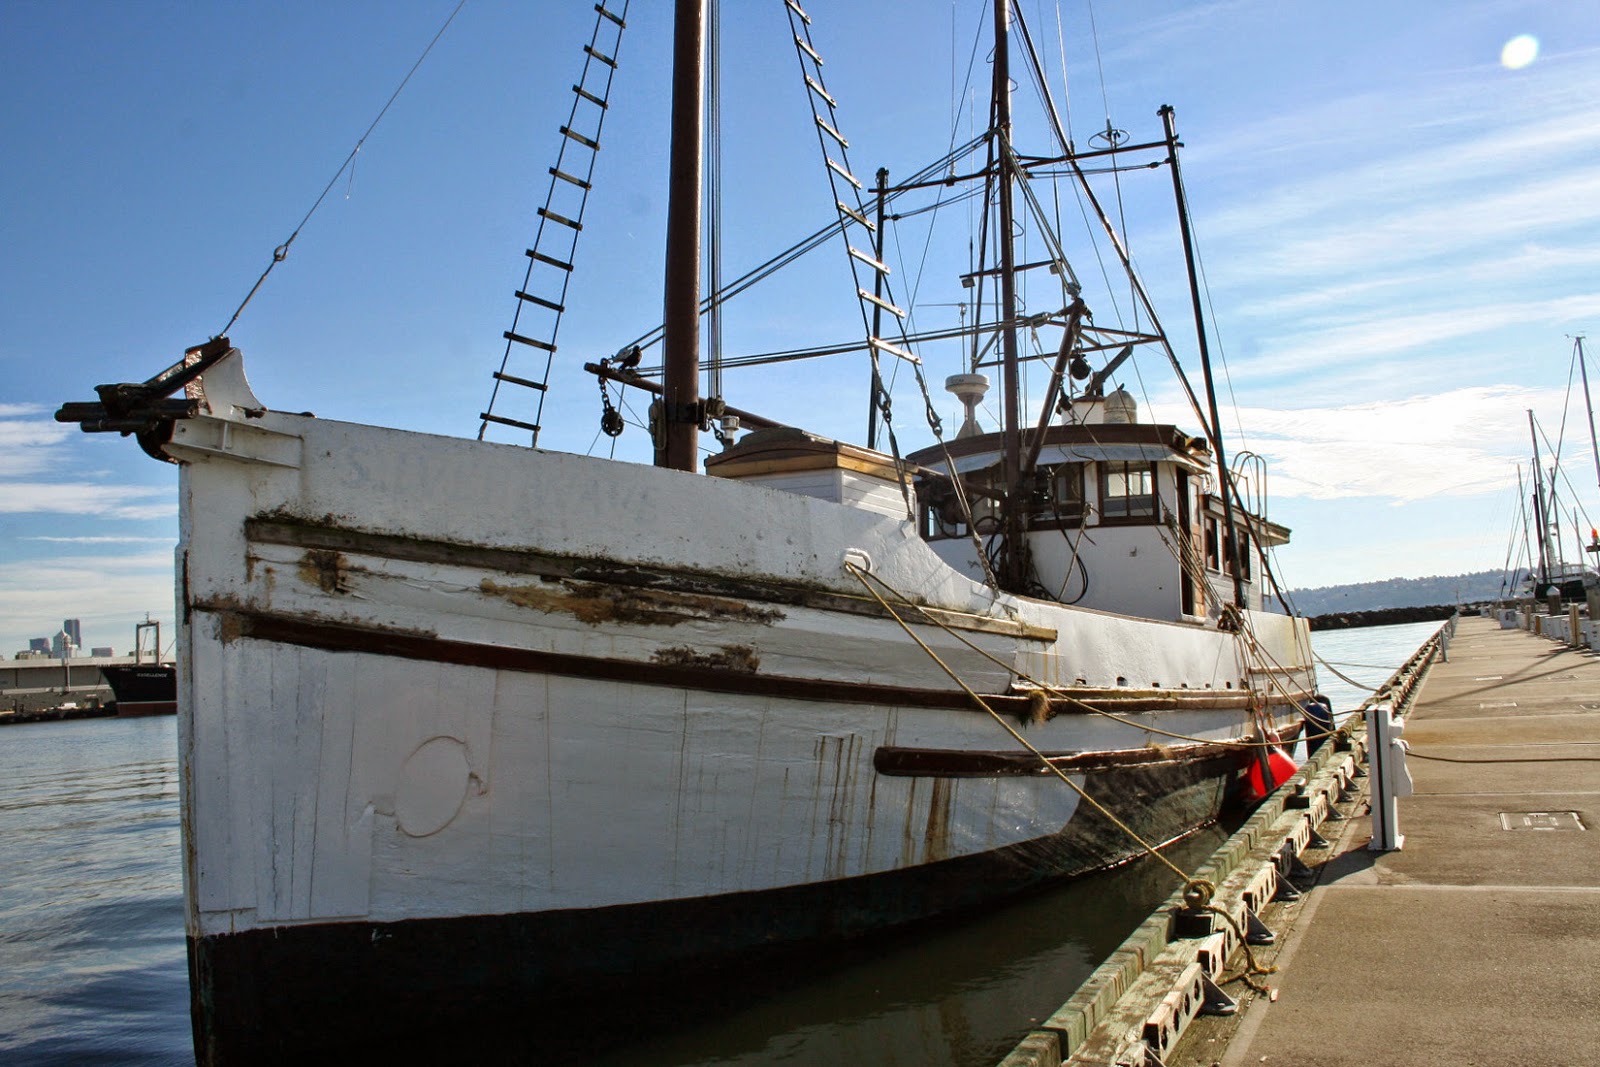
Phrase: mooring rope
pixel 860 576
pixel 1345 678
pixel 1197 892
pixel 1055 692
pixel 1412 752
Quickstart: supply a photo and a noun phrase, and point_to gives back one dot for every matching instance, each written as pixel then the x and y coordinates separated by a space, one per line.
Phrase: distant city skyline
pixel 67 642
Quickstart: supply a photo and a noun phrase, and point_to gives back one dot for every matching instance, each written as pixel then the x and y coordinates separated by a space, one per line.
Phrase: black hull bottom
pixel 543 986
pixel 133 709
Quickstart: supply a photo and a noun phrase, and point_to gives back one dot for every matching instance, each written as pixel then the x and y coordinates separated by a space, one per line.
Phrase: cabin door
pixel 1188 583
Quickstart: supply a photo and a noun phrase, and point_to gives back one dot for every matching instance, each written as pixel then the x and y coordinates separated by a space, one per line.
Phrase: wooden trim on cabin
pixel 749 468
pixel 1155 434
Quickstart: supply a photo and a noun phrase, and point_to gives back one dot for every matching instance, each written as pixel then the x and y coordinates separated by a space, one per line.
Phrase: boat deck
pixel 1479 941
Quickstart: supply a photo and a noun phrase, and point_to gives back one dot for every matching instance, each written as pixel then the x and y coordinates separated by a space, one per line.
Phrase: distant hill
pixel 1398 593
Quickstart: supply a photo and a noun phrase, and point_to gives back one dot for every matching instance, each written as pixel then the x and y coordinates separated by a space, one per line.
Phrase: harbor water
pixel 92 966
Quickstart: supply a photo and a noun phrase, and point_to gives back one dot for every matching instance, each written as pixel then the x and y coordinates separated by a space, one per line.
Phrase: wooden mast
pixel 1014 559
pixel 1234 547
pixel 678 435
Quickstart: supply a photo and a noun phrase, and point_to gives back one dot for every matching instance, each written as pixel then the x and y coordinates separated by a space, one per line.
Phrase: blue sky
pixel 1398 233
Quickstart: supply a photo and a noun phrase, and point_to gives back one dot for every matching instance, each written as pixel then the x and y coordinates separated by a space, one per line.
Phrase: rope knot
pixel 1197 893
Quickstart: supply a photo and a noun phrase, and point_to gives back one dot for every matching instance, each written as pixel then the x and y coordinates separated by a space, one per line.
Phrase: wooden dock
pixel 1479 941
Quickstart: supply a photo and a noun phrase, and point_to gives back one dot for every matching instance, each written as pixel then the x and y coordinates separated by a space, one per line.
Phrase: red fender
pixel 1280 765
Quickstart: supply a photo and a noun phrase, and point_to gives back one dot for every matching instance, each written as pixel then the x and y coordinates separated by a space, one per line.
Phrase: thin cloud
pixel 1452 444
pixel 106 501
pixel 1386 335
pixel 1408 233
pixel 1530 260
pixel 101 540
pixel 28 445
pixel 1416 176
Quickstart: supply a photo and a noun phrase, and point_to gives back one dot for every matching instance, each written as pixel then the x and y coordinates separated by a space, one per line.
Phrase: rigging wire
pixel 1216 335
pixel 1066 87
pixel 1111 135
pixel 281 253
pixel 1099 63
pixel 1558 471
pixel 762 271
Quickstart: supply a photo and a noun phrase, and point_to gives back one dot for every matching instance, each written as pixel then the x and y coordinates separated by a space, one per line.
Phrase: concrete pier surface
pixel 1479 941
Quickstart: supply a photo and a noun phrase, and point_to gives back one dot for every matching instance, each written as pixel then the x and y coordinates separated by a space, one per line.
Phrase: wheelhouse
pixel 1121 516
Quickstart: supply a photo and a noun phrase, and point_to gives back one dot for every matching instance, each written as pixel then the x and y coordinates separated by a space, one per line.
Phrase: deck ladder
pixel 530 343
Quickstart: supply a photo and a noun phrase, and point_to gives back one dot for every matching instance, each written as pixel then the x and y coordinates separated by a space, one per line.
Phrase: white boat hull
pixel 452 723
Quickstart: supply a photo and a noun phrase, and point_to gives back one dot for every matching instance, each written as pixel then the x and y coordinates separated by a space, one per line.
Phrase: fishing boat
pixel 461 725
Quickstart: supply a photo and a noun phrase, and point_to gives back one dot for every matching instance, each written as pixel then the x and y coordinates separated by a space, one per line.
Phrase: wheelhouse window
pixel 1213 545
pixel 1127 492
pixel 941 514
pixel 1058 495
pixel 1245 552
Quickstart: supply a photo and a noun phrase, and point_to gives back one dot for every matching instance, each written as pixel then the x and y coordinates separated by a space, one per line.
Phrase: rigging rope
pixel 1197 892
pixel 861 576
pixel 1056 692
pixel 281 253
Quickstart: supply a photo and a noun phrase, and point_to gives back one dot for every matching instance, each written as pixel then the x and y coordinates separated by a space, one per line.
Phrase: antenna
pixel 970 390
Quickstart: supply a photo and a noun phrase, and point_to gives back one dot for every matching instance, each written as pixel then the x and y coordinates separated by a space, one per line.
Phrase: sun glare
pixel 1519 52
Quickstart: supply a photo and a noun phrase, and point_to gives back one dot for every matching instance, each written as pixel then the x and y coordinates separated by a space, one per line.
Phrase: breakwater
pixel 1346 620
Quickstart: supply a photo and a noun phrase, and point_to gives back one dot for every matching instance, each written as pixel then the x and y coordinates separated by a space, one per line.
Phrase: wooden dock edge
pixel 1133 1009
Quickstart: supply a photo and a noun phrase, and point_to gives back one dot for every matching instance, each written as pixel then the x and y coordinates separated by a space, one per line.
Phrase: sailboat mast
pixel 1540 519
pixel 1589 407
pixel 1014 561
pixel 1522 506
pixel 678 440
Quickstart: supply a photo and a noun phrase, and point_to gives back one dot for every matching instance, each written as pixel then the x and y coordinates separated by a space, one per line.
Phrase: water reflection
pixel 91 912
pixel 958 994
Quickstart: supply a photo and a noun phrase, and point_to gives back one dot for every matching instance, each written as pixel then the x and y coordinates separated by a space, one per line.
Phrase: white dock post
pixel 1390 779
